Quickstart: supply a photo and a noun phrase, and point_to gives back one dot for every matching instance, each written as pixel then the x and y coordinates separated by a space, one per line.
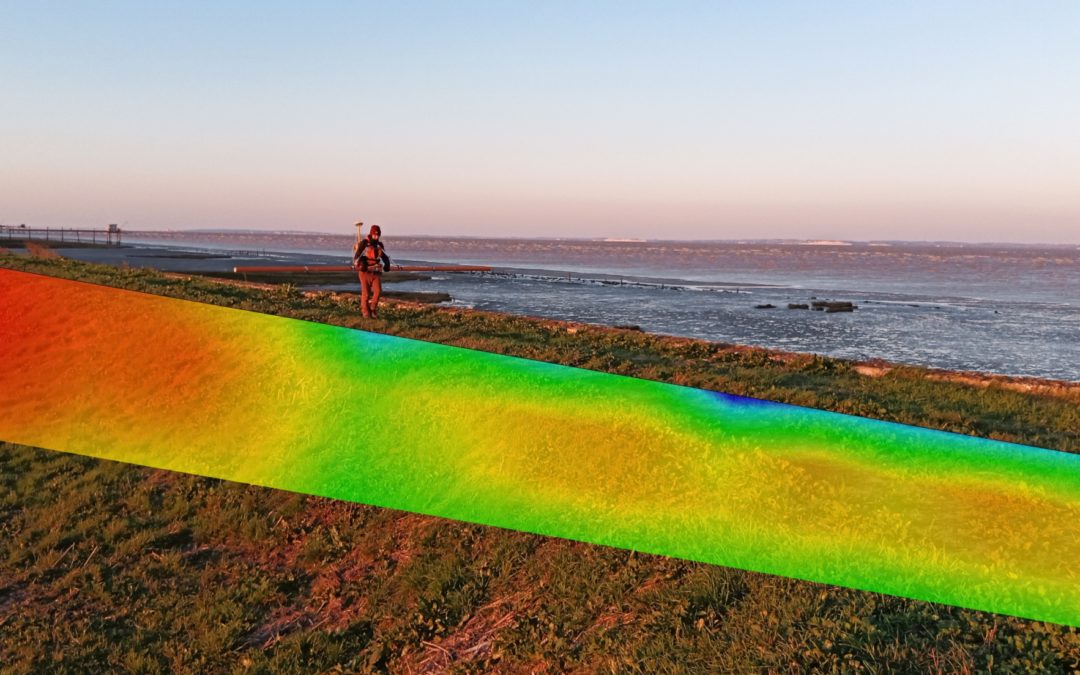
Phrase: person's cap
pixel 376 228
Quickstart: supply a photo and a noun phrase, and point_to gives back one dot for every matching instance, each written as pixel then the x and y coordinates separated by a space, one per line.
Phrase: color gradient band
pixel 539 447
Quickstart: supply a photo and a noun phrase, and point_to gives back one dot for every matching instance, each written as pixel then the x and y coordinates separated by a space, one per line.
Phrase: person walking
pixel 370 259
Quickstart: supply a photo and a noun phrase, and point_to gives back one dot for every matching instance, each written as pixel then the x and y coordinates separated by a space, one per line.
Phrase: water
pixel 994 308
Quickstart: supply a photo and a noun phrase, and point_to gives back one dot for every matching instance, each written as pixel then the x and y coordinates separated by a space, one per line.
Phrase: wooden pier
pixel 107 236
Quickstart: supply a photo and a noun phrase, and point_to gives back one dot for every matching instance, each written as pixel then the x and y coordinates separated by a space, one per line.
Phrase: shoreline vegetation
pixel 110 566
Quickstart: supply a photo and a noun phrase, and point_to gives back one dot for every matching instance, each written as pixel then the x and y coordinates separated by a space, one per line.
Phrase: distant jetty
pixel 106 236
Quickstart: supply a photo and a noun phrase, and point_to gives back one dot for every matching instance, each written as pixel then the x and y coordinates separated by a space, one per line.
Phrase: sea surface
pixel 1005 309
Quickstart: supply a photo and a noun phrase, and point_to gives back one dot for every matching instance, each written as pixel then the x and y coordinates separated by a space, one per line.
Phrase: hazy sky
pixel 905 120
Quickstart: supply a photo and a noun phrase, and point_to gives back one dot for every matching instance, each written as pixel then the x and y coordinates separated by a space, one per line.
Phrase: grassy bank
pixel 311 278
pixel 996 408
pixel 107 566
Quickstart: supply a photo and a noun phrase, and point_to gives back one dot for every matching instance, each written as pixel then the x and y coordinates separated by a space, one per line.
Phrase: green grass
pixel 109 567
pixel 903 395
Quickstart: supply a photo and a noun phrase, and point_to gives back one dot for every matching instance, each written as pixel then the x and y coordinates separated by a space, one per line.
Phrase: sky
pixel 677 120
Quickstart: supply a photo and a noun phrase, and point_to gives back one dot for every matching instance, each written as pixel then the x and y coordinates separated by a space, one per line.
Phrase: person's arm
pixel 385 261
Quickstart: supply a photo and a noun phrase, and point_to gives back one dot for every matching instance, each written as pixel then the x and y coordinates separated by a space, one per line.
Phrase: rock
pixel 829 306
pixel 798 305
pixel 765 306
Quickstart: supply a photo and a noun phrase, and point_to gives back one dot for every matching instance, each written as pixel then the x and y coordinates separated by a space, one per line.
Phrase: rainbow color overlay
pixel 538 447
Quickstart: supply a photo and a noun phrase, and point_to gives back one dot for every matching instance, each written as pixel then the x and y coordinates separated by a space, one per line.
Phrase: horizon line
pixel 617 239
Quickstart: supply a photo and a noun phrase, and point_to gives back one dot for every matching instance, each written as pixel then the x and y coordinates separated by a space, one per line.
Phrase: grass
pixel 109 567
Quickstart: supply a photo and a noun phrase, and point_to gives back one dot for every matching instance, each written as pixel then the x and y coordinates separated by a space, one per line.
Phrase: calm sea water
pixel 994 308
